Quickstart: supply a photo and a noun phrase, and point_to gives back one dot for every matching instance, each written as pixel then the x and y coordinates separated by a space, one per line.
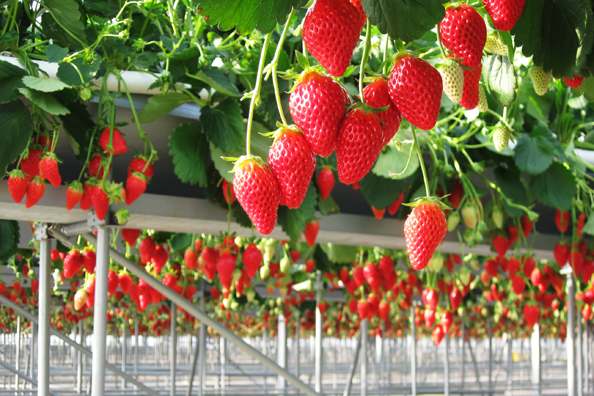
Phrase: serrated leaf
pixel 328 206
pixel 79 126
pixel 189 149
pixel 555 187
pixel 534 153
pixel 162 104
pixel 68 13
pixel 293 221
pixel 323 263
pixel 9 238
pixel 145 60
pixel 586 89
pixel 15 130
pixel 247 15
pixel 509 182
pixel 500 76
pixel 380 192
pixel 341 254
pixel 45 101
pixel 240 216
pixel 394 161
pixel 406 20
pixel 55 53
pixel 11 77
pixel 223 125
pixel 77 72
pixel 180 242
pixel 589 226
pixel 44 84
pixel 217 80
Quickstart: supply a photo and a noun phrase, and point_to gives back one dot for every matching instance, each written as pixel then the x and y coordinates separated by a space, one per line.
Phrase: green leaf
pixel 509 182
pixel 323 263
pixel 77 72
pixel 247 15
pixel 293 221
pixel 341 254
pixel 55 53
pixel 45 101
pixel 9 238
pixel 79 127
pixel 189 149
pixel 392 160
pixel 180 242
pixel 534 153
pixel 406 20
pixel 379 191
pixel 240 216
pixel 44 84
pixel 586 89
pixel 217 79
pixel 162 104
pixel 67 12
pixel 500 76
pixel 328 206
pixel 589 226
pixel 15 130
pixel 556 187
pixel 11 77
pixel 223 125
pixel 145 60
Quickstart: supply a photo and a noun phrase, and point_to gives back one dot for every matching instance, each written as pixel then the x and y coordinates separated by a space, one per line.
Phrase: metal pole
pixel 32 355
pixel 446 366
pixel 281 356
pixel 43 355
pixel 18 352
pixel 535 354
pixel 22 375
pixel 413 353
pixel 364 330
pixel 318 336
pixel 490 329
pixel 509 364
pixel 136 346
pixel 100 314
pixel 173 348
pixel 580 372
pixel 202 348
pixel 124 352
pixel 297 345
pixel 463 354
pixel 79 367
pixel 193 372
pixel 587 356
pixel 347 390
pixel 570 344
pixel 223 355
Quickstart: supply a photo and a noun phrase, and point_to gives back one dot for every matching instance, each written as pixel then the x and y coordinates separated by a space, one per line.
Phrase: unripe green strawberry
pixel 470 93
pixel 540 79
pixel 257 191
pixel 331 32
pixel 452 76
pixel 463 31
pixel 504 13
pixel 501 136
pixel 471 215
pixel 293 164
pixel 424 230
pixel 494 45
pixel 483 104
pixel 497 216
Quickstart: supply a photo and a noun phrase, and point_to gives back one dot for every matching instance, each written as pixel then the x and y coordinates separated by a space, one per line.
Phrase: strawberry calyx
pixel 17 173
pixel 51 156
pixel 76 186
pixel 282 129
pixel 439 200
pixel 244 160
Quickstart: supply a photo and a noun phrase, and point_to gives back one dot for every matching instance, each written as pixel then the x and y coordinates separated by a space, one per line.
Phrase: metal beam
pixel 22 375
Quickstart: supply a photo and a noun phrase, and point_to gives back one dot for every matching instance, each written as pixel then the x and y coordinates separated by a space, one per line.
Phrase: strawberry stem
pixel 256 93
pixel 416 147
pixel 366 50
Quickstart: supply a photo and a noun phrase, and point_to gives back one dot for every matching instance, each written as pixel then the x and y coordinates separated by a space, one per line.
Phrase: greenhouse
pixel 293 197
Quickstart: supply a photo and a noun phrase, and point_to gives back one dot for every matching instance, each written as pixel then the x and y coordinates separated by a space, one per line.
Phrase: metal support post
pixel 490 329
pixel 509 364
pixel 136 346
pixel 79 366
pixel 124 352
pixel 347 390
pixel 43 355
pixel 173 348
pixel 193 372
pixel 18 352
pixel 570 343
pixel 318 341
pixel 281 354
pixel 100 314
pixel 413 352
pixel 202 348
pixel 580 372
pixel 587 356
pixel 463 354
pixel 32 355
pixel 223 355
pixel 535 357
pixel 446 366
pixel 364 330
pixel 297 345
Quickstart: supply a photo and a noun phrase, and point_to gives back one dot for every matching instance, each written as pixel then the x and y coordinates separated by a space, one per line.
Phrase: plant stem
pixel 416 147
pixel 274 68
pixel 256 93
pixel 366 50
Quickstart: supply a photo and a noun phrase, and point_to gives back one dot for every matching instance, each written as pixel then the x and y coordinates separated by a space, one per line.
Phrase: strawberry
pixel 117 141
pixel 437 335
pixel 470 92
pixel 72 263
pixel 491 267
pixel 378 213
pixel 540 79
pixel 494 45
pixel 376 95
pixel 257 191
pixel 536 277
pixel 97 166
pixel 311 232
pixel 90 286
pixel 581 222
pixel 210 257
pixel 384 310
pixel 561 253
pixel 483 104
pixel 501 136
pixel 138 164
pixel 424 230
pixel 471 214
pixel 80 299
pixel 228 192
pixel 130 236
pixel 393 208
pixel 331 32
pixel 386 265
pixel 135 187
pixel 86 202
pixel 359 142
pixel 430 297
pixel 359 276
pixel 452 75
pixel 74 194
pixel 17 185
pixel 531 314
pixel 501 245
pixel 159 258
pixel 447 318
pixel 225 268
pixel 529 265
pixel 113 281
pixel 429 317
pixel 89 260
pixel 252 259
pixel 518 284
pixel 574 82
pixel 576 259
pixel 190 258
pixel 527 225
pixel 587 312
pixel 147 249
pixel 317 105
pixel 463 31
pixel 363 309
pixel 190 291
pixel 48 167
pixel 35 190
pixel 325 182
pixel 362 15
pixel 125 281
pixel 504 13
pixel 372 275
pixel 513 266
pixel 293 163
pixel 30 164
pixel 456 298
pixel 415 88
pixel 100 201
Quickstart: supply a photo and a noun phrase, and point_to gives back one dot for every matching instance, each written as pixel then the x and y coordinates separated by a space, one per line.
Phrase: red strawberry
pixel 363 309
pixel 17 185
pixel 513 267
pixel 359 276
pixel 518 284
pixel 331 32
pixel 561 253
pixel 456 298
pixel 48 167
pixel 131 236
pixel 89 260
pixel 74 194
pixel 147 249
pixel 392 209
pixel 228 192
pixel 504 13
pixel 437 335
pixel 117 141
pixel 138 164
pixel 415 88
pixel 72 263
pixel 311 232
pixel 257 191
pixel 30 164
pixel 135 186
pixel 581 220
pixel 325 182
pixel 574 82
pixel 113 280
pixel 100 201
pixel 225 268
pixel 45 141
pixel 463 31
pixel 576 260
pixel 190 291
pixel 376 95
pixel 86 202
pixel 317 105
pixel 424 230
pixel 562 220
pixel 97 166
pixel 532 314
pixel 501 245
pixel 447 318
pixel 386 265
pixel 470 92
pixel 384 309
pixel 252 259
pixel 159 258
pixel 210 257
pixel 587 312
pixel 35 190
pixel 310 265
pixel 359 7
pixel 125 281
pixel 190 258
pixel 293 164
pixel 536 277
pixel 527 226
pixel 529 265
pixel 360 140
pixel 372 275
pixel 429 317
pixel 378 213
pixel 90 286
